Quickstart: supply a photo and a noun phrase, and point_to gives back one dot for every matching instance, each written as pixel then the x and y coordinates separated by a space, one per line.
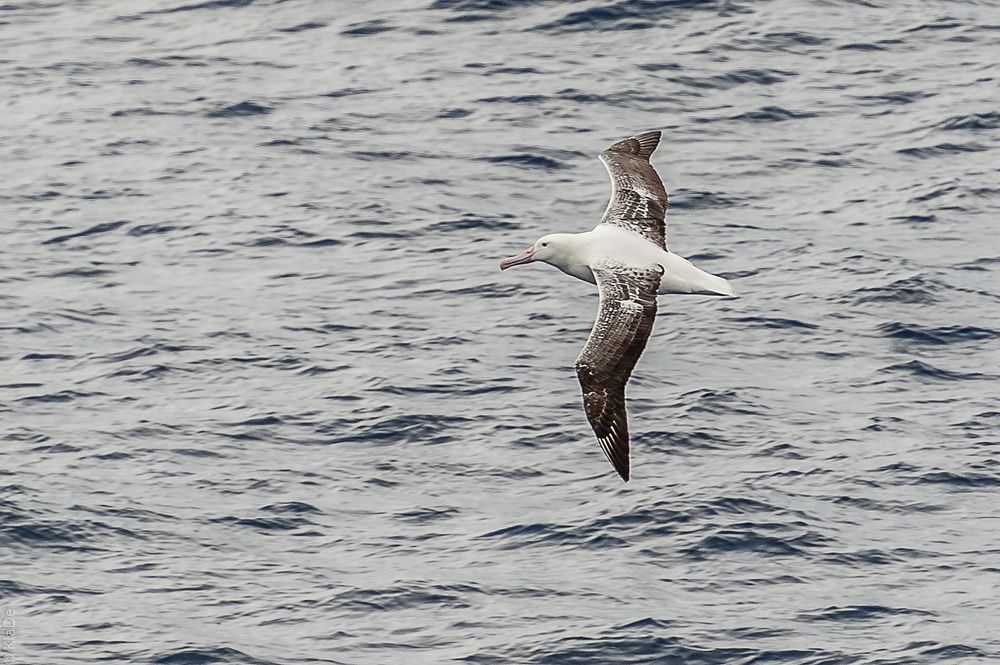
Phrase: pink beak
pixel 518 260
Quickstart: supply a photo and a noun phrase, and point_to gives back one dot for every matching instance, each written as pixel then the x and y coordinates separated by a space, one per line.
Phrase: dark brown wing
pixel 624 321
pixel 638 200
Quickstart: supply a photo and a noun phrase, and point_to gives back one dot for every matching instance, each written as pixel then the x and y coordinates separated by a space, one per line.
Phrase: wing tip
pixel 648 141
pixel 641 145
pixel 623 467
pixel 616 449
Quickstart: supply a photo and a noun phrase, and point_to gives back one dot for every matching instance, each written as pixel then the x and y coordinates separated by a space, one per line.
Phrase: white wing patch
pixel 630 305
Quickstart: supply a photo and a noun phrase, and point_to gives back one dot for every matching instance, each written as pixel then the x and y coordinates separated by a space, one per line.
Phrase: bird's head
pixel 548 249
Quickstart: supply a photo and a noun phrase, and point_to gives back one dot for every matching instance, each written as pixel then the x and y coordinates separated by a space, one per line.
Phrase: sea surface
pixel 266 398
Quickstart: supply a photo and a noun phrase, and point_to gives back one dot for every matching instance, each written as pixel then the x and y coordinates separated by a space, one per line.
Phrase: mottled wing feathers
pixel 638 200
pixel 624 321
pixel 641 145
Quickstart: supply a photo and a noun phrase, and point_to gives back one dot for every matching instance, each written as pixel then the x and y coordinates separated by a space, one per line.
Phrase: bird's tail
pixel 682 276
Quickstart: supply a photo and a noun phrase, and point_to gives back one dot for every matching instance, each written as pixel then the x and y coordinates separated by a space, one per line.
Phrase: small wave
pixel 916 290
pixel 262 421
pixel 291 507
pixel 942 23
pixel 804 38
pixel 149 62
pixel 781 450
pixel 861 46
pixel 773 114
pixel 641 648
pixel 279 143
pixel 614 17
pixel 10 588
pixel 122 356
pixel 690 199
pixel 660 67
pixel 208 656
pixel 325 329
pixel 408 596
pixel 514 70
pixel 93 230
pixel 209 4
pixel 861 613
pixel 914 333
pixel 915 219
pixel 772 322
pixel 526 161
pixel 988 120
pixel 348 92
pixel 899 97
pixel 965 480
pixel 479 5
pixel 539 534
pixel 987 421
pixel 454 113
pixel 302 27
pixel 393 155
pixel 924 370
pixel 56 448
pixel 317 370
pixel 942 149
pixel 756 538
pixel 686 440
pixel 622 98
pixel 716 402
pixel 152 229
pixel 514 99
pixel 470 222
pixel 146 351
pixel 266 524
pixel 61 396
pixel 240 109
pixel 274 241
pixel 202 453
pixel 887 506
pixel 64 534
pixel 25 437
pixel 735 78
pixel 367 28
pixel 622 16
pixel 80 272
pixel 935 191
pixel 144 111
pixel 867 557
pixel 952 651
pixel 146 373
pixel 412 428
pixel 426 515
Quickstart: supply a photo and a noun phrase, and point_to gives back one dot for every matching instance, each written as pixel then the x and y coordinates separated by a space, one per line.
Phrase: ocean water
pixel 266 398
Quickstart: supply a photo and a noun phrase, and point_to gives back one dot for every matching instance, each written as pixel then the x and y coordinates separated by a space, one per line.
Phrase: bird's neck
pixel 574 259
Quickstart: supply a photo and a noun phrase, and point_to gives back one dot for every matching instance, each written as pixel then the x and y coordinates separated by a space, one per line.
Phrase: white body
pixel 574 253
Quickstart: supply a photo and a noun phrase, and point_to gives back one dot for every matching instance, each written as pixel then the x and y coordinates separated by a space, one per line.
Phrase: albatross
pixel 627 257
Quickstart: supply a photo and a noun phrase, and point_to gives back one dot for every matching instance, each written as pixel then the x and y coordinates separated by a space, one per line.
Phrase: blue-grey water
pixel 266 398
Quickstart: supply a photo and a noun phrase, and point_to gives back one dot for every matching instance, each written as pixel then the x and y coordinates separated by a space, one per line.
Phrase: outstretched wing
pixel 624 322
pixel 638 201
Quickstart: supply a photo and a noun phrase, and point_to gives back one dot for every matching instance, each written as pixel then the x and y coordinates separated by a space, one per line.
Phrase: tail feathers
pixel 718 287
pixel 681 276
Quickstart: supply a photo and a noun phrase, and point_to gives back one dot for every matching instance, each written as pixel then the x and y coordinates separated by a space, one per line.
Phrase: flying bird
pixel 627 257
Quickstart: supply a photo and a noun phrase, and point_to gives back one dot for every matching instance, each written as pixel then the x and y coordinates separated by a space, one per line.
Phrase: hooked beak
pixel 518 260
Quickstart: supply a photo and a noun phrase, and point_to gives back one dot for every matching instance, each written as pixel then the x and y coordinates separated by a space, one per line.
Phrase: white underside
pixel 609 242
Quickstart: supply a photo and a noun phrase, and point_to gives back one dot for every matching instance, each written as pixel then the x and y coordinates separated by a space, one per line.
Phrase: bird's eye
pixel 545 244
